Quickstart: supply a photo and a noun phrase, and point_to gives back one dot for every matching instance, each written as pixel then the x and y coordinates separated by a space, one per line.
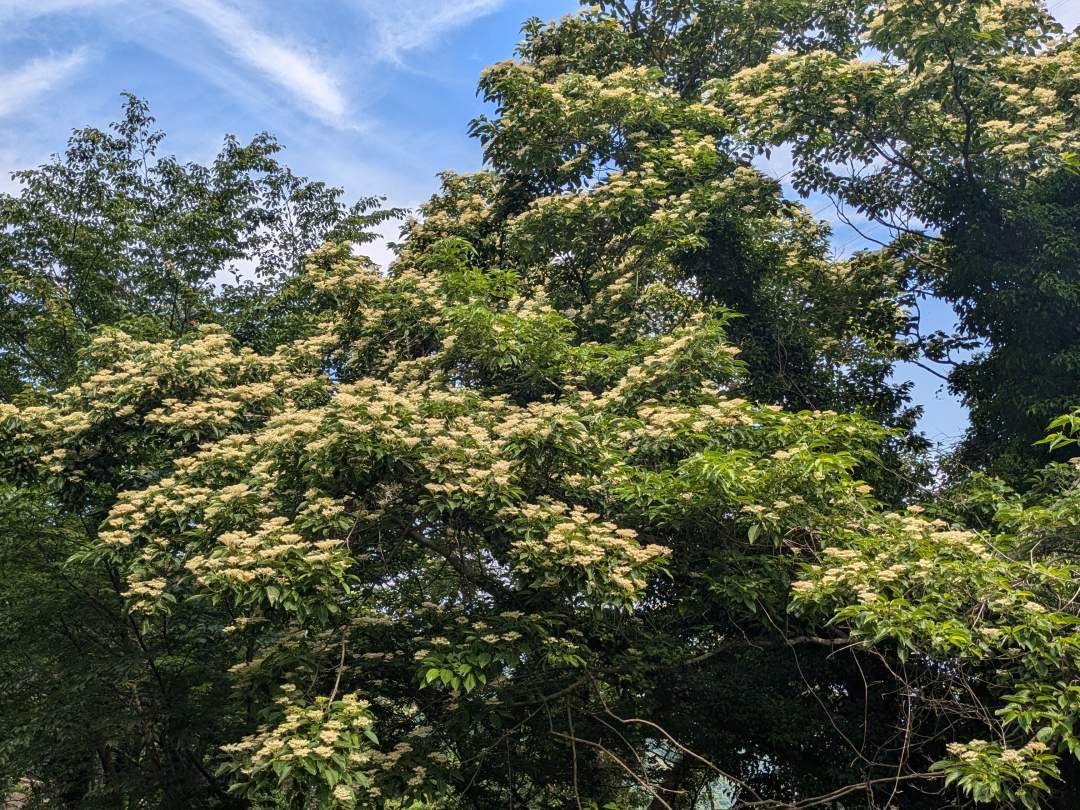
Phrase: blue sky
pixel 370 95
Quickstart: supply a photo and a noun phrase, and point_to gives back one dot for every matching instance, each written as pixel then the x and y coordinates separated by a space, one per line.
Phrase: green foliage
pixel 598 496
pixel 951 124
pixel 990 773
pixel 112 233
pixel 309 758
pixel 604 170
pixel 460 548
pixel 524 505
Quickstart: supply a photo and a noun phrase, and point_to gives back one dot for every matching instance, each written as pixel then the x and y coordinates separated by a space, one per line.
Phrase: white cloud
pixel 308 79
pixel 300 74
pixel 11 10
pixel 404 25
pixel 38 76
pixel 310 84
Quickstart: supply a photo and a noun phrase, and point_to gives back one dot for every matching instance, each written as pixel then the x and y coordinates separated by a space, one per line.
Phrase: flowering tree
pixel 112 231
pixel 532 518
pixel 955 128
pixel 445 548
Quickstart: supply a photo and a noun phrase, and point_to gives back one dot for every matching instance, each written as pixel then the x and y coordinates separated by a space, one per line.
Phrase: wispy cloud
pixel 38 76
pixel 300 74
pixel 13 10
pixel 404 25
pixel 250 33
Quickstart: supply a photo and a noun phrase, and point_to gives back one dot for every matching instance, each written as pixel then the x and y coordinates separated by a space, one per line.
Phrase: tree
pixel 486 557
pixel 112 233
pixel 956 129
pixel 533 518
pixel 443 459
pixel 598 162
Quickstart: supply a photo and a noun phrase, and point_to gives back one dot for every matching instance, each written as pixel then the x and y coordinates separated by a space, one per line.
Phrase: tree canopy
pixel 957 131
pixel 110 232
pixel 602 494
